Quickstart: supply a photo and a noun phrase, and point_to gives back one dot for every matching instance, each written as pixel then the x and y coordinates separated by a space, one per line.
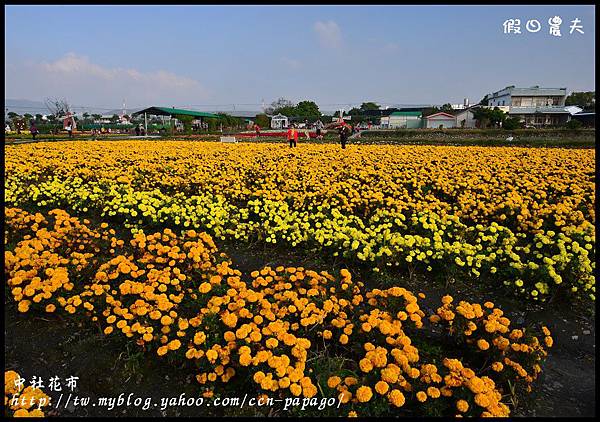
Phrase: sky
pixel 210 57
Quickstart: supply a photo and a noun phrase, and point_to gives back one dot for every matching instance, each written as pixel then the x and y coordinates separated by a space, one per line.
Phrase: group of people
pixel 344 130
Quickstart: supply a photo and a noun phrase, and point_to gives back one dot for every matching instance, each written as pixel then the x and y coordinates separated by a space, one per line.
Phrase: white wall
pixel 445 122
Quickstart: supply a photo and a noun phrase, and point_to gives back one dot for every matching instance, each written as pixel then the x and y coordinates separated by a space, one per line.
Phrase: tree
pixel 586 100
pixel 114 119
pixel 58 107
pixel 486 116
pixel 484 100
pixel 38 118
pixel 187 122
pixel 574 124
pixel 12 115
pixel 447 108
pixel 86 116
pixel 262 120
pixel 27 117
pixel 277 106
pixel 512 123
pixel 369 106
pixel 96 116
pixel 307 109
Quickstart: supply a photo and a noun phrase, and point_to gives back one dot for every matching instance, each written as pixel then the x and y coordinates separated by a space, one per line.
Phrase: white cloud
pixel 82 81
pixel 329 34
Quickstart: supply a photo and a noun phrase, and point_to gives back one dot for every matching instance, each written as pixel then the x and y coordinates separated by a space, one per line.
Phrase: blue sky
pixel 218 55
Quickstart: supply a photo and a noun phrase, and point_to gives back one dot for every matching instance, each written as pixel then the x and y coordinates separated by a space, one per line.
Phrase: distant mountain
pixel 25 106
pixel 39 107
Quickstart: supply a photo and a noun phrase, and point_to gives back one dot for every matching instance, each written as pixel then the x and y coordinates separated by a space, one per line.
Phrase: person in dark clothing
pixel 137 130
pixel 33 130
pixel 345 131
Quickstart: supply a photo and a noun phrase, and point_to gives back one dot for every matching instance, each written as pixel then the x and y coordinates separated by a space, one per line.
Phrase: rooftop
pixel 531 91
pixel 172 111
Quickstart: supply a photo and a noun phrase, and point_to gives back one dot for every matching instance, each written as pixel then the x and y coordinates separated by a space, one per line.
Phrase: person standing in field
pixel 344 131
pixel 257 130
pixel 292 136
pixel 307 129
pixel 69 129
pixel 319 127
pixel 33 130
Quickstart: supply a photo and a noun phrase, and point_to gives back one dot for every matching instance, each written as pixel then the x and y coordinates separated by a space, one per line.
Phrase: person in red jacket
pixel 292 136
pixel 257 130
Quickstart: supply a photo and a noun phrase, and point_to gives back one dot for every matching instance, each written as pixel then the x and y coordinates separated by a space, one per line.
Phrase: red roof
pixel 440 113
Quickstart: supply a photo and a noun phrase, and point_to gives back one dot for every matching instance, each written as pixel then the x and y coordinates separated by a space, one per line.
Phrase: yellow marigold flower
pixel 296 389
pixel 352 414
pixel 344 339
pixel 421 396
pixel 350 381
pixel 365 365
pixel 205 287
pixel 382 387
pixel 482 344
pixel 497 366
pixel 462 406
pixel 174 344
pixel 433 392
pixel 396 398
pixel 345 396
pixel 245 359
pixel 211 355
pixel 333 381
pixel 364 394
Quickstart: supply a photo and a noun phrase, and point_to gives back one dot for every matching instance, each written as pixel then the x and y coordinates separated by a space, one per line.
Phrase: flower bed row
pixel 284 331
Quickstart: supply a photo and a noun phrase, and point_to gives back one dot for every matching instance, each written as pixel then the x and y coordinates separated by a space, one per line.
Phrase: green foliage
pixel 307 109
pixel 262 120
pixel 369 106
pixel 186 121
pixel 304 109
pixel 586 100
pixel 489 117
pixel 573 124
pixel 512 123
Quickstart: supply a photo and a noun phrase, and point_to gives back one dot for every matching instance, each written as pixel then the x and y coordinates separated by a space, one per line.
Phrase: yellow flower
pixel 364 394
pixel 482 344
pixel 396 398
pixel 333 381
pixel 382 387
pixel 462 406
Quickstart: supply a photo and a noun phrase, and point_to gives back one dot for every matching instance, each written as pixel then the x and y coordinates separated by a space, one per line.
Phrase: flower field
pixel 522 218
pixel 286 331
pixel 124 235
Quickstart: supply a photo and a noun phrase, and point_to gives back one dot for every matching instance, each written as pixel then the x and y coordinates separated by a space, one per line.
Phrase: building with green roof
pixel 403 120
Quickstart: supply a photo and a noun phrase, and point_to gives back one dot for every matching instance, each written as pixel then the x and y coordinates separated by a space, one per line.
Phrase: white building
pixel 402 120
pixel 440 120
pixel 279 121
pixel 466 118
